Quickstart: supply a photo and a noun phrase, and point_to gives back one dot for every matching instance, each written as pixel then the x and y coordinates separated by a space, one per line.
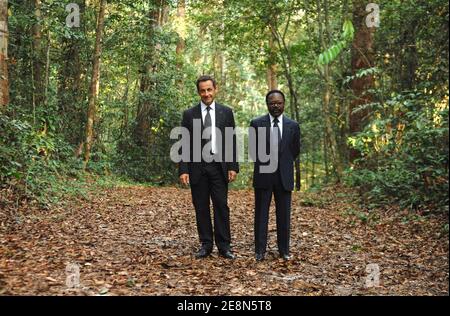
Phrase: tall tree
pixel 279 34
pixel 181 43
pixel 4 83
pixel 142 130
pixel 181 25
pixel 71 89
pixel 38 57
pixel 362 58
pixel 272 82
pixel 330 135
pixel 95 82
pixel 219 58
pixel 149 67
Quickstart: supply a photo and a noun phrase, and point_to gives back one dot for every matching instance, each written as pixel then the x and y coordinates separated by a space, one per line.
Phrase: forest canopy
pixel 95 87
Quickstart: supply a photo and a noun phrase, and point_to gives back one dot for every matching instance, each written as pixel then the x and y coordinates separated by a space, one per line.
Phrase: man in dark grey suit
pixel 282 142
pixel 210 175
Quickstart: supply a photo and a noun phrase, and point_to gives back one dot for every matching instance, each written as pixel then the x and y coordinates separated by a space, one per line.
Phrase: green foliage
pixel 150 161
pixel 365 217
pixel 142 164
pixel 308 201
pixel 362 73
pixel 331 53
pixel 12 154
pixel 404 154
pixel 445 229
pixel 405 146
pixel 36 163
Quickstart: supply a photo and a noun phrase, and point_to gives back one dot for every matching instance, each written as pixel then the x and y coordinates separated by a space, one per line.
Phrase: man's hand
pixel 231 175
pixel 184 179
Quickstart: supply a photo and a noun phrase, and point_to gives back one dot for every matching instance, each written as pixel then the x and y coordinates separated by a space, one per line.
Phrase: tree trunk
pixel 330 136
pixel 313 160
pixel 163 12
pixel 95 81
pixel 38 58
pixel 4 83
pixel 142 132
pixel 125 102
pixel 47 67
pixel 409 58
pixel 287 66
pixel 72 89
pixel 220 67
pixel 181 43
pixel 181 23
pixel 329 131
pixel 325 160
pixel 272 83
pixel 362 58
pixel 307 170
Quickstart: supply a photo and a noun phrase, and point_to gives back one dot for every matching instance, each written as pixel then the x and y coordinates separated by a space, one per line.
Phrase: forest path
pixel 141 240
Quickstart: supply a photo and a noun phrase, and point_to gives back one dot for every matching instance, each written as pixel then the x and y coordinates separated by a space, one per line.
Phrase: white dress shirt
pixel 280 124
pixel 212 113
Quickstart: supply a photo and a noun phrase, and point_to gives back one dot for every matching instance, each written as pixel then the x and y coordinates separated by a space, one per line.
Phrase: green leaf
pixel 321 60
pixel 327 56
pixel 335 49
pixel 348 30
pixel 331 53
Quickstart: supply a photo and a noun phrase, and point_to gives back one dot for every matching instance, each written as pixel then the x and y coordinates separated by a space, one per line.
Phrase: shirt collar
pixel 280 118
pixel 212 105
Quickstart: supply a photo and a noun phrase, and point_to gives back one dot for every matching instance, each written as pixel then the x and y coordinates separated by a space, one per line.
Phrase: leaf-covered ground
pixel 140 241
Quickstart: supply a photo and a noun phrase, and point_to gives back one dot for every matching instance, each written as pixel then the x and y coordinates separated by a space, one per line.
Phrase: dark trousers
pixel 263 198
pixel 212 185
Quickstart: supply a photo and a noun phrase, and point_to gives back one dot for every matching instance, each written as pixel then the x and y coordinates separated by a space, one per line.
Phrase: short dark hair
pixel 272 92
pixel 205 78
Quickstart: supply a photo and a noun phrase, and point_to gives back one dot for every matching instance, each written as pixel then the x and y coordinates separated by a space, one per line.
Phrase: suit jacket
pixel 288 152
pixel 224 118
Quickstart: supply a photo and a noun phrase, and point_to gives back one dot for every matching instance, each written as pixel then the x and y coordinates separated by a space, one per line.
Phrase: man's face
pixel 207 92
pixel 275 104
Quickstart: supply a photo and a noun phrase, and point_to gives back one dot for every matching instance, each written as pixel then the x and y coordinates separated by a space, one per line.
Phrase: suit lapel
pixel 285 134
pixel 266 124
pixel 197 113
pixel 219 116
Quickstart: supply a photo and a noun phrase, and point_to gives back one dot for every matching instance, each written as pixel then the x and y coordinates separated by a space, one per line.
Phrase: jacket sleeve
pixel 234 165
pixel 296 141
pixel 253 140
pixel 183 165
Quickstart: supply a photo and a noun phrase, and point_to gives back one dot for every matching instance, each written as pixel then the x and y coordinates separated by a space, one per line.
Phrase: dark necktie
pixel 208 117
pixel 276 134
pixel 208 123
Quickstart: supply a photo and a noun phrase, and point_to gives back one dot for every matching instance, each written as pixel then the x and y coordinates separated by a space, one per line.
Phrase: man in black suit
pixel 281 138
pixel 210 173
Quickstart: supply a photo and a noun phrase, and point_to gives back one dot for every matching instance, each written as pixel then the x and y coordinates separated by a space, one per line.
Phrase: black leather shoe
pixel 260 256
pixel 203 253
pixel 226 254
pixel 285 257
